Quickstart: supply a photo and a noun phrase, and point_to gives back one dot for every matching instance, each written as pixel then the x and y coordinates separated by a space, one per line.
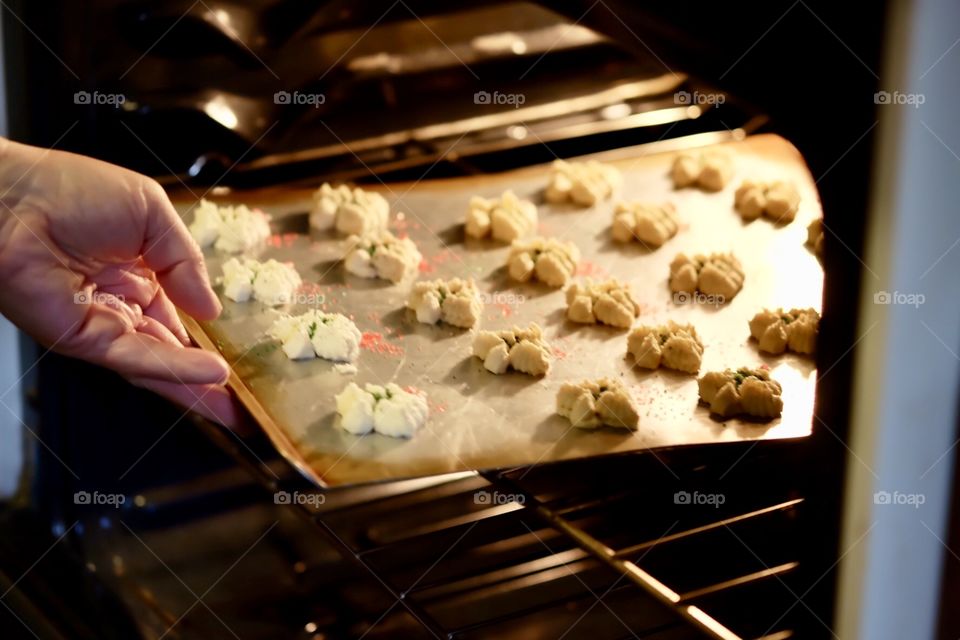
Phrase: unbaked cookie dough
pixel 744 391
pixel 778 330
pixel 272 283
pixel 331 336
pixel 709 170
pixel 671 345
pixel 650 224
pixel 504 219
pixel 349 211
pixel 455 302
pixel 549 260
pixel 522 350
pixel 231 229
pixel 388 410
pixel 717 274
pixel 583 183
pixel 608 302
pixel 382 255
pixel 592 403
pixel 778 201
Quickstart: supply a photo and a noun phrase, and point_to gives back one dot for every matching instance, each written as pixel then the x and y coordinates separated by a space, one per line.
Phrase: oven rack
pixel 473 555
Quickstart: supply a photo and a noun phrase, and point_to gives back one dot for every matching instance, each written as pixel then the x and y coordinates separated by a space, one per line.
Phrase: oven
pixel 215 535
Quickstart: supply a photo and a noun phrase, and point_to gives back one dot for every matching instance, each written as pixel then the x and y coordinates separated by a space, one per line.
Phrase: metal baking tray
pixel 480 421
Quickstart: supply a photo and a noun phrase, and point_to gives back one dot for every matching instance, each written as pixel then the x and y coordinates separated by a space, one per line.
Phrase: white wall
pixel 907 376
pixel 11 439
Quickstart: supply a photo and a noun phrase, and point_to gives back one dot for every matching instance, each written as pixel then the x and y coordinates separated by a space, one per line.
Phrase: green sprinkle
pixel 312 329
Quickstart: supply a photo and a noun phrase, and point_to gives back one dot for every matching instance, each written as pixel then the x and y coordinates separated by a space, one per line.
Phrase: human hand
pixel 94 261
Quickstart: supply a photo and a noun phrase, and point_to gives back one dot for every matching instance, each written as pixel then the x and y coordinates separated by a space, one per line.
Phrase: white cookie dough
pixel 583 183
pixel 670 345
pixel 388 410
pixel 505 219
pixel 382 255
pixel 709 170
pixel 815 236
pixel 778 201
pixel 271 282
pixel 523 350
pixel 744 391
pixel 778 330
pixel 231 229
pixel 593 403
pixel 549 260
pixel 349 211
pixel 651 225
pixel 608 302
pixel 331 336
pixel 455 302
pixel 717 274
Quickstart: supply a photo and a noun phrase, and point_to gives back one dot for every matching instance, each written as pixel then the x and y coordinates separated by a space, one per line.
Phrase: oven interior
pixel 587 549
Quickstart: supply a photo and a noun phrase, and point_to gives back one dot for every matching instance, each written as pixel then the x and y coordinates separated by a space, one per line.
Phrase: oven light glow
pixel 517 132
pixel 310 627
pixel 220 111
pixel 616 111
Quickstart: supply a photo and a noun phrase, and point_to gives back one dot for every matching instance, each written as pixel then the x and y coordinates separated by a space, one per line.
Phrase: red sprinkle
pixel 587 268
pixel 282 239
pixel 374 341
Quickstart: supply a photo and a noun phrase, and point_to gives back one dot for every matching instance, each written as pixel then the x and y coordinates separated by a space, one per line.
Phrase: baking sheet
pixel 482 421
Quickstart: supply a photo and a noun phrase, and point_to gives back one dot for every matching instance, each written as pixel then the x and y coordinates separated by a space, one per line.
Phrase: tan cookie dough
pixel 709 170
pixel 608 302
pixel 778 201
pixel 592 403
pixel 583 183
pixel 717 274
pixel 548 260
pixel 744 391
pixel 778 330
pixel 505 219
pixel 523 350
pixel 670 345
pixel 349 211
pixel 382 255
pixel 650 224
pixel 815 236
pixel 455 302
